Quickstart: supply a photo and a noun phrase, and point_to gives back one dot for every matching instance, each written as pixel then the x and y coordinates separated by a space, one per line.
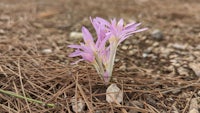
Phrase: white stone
pixel 144 55
pixel 47 51
pixel 75 35
pixel 77 105
pixel 114 94
pixel 117 60
pixel 124 47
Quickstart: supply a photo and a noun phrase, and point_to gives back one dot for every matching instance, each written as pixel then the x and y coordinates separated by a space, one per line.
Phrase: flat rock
pixel 196 68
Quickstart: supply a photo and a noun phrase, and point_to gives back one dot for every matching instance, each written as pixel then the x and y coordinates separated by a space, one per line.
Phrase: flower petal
pixel 132 26
pixel 76 62
pixel 88 57
pixel 120 24
pixel 88 39
pixel 76 53
pixel 102 21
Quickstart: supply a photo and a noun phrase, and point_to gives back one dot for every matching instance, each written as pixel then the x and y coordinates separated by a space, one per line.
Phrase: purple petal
pixel 106 77
pixel 120 23
pixel 102 21
pixel 76 53
pixel 130 33
pixel 88 57
pixel 103 43
pixel 87 36
pixel 140 30
pixel 76 62
pixel 132 26
pixel 113 22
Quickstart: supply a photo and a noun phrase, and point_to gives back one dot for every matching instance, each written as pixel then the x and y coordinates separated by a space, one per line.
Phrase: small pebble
pixel 157 35
pixel 47 51
pixel 131 52
pixel 124 47
pixel 155 44
pixel 75 35
pixel 198 93
pixel 2 32
pixel 144 55
pixel 116 60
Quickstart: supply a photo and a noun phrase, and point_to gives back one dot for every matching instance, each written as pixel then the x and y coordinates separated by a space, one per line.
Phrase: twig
pixel 8 108
pixel 153 109
pixel 22 86
pixel 84 97
pixel 188 102
pixel 134 108
pixel 181 87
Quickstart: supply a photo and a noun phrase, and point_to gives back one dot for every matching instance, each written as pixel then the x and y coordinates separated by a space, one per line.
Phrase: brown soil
pixel 160 75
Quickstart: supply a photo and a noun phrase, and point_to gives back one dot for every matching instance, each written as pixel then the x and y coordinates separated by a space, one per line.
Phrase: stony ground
pixel 158 70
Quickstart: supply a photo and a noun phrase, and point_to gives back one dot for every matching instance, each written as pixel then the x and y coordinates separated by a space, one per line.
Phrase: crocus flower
pixel 101 54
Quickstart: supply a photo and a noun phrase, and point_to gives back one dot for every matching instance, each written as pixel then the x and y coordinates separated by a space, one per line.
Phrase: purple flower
pixel 85 50
pixel 101 54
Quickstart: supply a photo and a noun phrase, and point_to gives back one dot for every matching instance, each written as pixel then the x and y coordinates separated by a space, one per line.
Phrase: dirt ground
pixel 158 70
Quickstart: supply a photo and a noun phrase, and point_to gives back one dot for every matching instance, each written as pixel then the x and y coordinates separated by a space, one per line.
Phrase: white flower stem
pixel 99 62
pixel 99 66
pixel 96 65
pixel 113 50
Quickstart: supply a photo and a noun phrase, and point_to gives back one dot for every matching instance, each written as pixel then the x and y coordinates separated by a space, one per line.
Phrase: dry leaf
pixel 114 94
